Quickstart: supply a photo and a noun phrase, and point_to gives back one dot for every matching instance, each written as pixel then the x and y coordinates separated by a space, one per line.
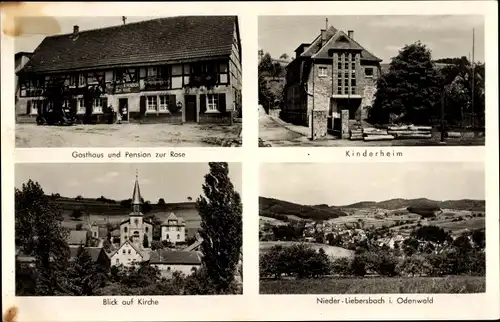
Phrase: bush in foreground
pixel 376 285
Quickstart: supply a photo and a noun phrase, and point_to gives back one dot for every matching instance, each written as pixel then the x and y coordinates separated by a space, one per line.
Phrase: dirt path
pixel 279 136
pixel 126 135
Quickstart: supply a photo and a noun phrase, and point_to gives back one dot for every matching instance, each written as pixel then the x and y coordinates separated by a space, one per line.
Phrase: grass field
pixel 376 285
pixel 331 251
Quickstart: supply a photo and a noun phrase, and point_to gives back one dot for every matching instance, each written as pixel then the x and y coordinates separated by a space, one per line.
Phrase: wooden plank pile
pixel 356 133
pixel 410 131
pixel 374 134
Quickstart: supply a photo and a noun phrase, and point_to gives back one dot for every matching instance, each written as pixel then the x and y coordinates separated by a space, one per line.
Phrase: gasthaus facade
pixel 171 70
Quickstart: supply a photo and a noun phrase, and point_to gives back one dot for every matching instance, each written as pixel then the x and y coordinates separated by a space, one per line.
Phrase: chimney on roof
pixel 323 37
pixel 76 30
pixel 350 33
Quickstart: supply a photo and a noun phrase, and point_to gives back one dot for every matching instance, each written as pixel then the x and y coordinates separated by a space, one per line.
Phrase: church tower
pixel 135 229
pixel 136 197
pixel 136 218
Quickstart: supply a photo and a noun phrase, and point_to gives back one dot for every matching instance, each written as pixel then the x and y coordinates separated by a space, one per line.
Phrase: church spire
pixel 136 196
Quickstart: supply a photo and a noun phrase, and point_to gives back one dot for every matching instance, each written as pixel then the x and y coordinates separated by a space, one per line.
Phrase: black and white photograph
pixel 117 81
pixel 390 228
pixel 390 80
pixel 128 229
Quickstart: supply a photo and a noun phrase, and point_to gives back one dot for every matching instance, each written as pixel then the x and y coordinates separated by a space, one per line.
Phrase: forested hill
pixel 462 204
pixel 118 207
pixel 284 210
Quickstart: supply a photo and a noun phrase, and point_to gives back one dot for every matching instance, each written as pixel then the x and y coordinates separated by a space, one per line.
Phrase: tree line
pixel 430 252
pixel 413 88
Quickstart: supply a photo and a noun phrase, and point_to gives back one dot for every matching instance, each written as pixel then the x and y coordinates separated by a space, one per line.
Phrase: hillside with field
pixel 392 204
pixel 104 211
pixel 400 215
pixel 284 210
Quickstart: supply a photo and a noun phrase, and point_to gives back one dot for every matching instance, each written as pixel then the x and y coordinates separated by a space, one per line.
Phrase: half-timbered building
pixel 172 70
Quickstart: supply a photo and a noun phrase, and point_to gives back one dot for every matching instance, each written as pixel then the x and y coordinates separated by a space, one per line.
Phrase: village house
pixel 173 229
pixel 20 60
pixel 331 81
pixel 167 70
pixel 77 238
pixel 168 262
pixel 97 254
pixel 391 241
pixel 129 254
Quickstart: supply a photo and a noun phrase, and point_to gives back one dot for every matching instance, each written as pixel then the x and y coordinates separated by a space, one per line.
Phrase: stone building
pixel 330 79
pixel 167 70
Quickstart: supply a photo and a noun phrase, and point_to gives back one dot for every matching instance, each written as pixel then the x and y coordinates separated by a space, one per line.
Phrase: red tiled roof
pixel 152 41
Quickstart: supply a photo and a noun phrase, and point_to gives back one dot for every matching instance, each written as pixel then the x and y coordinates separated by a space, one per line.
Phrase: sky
pixel 174 182
pixel 340 184
pixel 35 29
pixel 383 36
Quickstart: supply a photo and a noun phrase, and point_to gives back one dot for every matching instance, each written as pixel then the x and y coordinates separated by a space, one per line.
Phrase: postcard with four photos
pixel 208 161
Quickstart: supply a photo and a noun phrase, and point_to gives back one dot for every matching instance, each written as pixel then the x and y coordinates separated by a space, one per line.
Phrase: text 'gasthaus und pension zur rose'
pixel 127 155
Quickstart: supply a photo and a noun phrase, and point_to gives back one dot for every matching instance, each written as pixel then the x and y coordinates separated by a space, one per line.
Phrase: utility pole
pixel 473 80
pixel 442 113
pixel 326 25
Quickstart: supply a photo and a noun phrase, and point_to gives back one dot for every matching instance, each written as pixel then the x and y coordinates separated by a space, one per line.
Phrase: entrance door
pixel 190 103
pixel 123 108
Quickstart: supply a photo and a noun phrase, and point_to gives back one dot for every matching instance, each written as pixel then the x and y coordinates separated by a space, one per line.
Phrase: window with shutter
pixel 222 103
pixel 80 106
pixel 203 103
pixel 163 104
pixel 212 103
pixel 97 105
pixel 151 103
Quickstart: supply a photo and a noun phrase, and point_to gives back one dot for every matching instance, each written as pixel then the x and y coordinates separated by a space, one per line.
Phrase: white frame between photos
pixel 251 305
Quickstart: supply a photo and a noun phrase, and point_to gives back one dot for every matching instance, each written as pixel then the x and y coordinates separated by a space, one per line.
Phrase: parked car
pixel 56 117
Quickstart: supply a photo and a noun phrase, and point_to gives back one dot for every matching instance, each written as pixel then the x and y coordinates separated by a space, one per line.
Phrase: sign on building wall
pixel 122 88
pixel 156 85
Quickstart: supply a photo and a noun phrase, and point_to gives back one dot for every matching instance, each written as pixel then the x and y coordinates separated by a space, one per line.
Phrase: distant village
pixel 352 233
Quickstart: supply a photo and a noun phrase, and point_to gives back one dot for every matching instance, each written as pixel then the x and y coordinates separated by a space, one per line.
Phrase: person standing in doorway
pixel 124 112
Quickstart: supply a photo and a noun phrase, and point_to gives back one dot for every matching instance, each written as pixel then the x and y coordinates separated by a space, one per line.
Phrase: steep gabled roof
pixel 141 252
pixel 316 44
pixel 94 252
pixel 22 53
pixel 153 41
pixel 338 41
pixel 77 237
pixel 316 50
pixel 172 216
pixel 162 256
pixel 194 246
